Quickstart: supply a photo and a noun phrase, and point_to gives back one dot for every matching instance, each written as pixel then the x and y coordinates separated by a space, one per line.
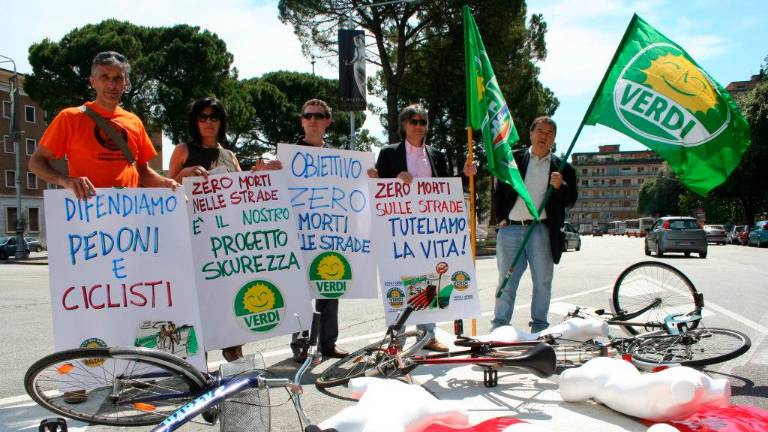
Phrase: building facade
pixel 609 185
pixel 32 121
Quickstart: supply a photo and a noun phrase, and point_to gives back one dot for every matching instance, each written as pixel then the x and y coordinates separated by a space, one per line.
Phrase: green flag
pixel 487 111
pixel 655 93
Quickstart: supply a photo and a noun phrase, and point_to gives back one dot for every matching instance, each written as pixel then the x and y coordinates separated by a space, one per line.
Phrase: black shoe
pixel 300 357
pixel 335 353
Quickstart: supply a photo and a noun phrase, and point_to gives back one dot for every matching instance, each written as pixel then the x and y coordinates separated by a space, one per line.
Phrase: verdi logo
pixel 330 274
pixel 460 280
pixel 259 306
pixel 662 95
pixel 396 297
pixel 93 343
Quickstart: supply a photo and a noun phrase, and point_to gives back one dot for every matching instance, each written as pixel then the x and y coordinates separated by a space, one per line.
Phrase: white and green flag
pixel 655 93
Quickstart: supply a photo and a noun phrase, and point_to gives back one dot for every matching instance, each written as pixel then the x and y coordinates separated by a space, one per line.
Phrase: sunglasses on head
pixel 214 117
pixel 312 115
pixel 420 122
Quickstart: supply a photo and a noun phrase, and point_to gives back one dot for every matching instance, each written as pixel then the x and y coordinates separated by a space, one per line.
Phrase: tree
pixel 661 196
pixel 171 66
pixel 748 183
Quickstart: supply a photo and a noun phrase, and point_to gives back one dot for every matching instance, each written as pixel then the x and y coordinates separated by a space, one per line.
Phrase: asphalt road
pixel 732 278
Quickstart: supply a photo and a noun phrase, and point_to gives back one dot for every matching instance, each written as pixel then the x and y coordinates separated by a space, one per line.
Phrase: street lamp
pixel 15 135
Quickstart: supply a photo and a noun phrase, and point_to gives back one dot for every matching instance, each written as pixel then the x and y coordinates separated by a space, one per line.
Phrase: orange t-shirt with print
pixel 90 151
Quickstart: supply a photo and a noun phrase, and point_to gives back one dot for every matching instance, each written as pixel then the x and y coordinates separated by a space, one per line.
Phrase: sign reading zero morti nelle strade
pixel 423 249
pixel 329 196
pixel 121 271
pixel 248 265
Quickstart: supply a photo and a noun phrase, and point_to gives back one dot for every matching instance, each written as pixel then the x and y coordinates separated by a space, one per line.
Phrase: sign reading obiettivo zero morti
pixel 329 197
pixel 248 265
pixel 422 248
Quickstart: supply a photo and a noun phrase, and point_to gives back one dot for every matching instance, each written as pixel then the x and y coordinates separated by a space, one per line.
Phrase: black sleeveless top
pixel 199 155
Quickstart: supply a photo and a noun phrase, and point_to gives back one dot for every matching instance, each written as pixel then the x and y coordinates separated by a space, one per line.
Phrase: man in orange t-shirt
pixel 94 160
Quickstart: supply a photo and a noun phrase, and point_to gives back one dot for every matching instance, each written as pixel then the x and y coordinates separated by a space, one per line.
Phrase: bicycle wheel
pixel 694 348
pixel 248 410
pixel 371 357
pixel 113 386
pixel 645 282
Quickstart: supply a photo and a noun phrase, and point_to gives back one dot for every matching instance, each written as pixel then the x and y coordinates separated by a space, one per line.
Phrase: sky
pixel 728 39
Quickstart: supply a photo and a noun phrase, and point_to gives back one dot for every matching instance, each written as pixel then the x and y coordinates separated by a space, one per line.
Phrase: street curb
pixel 39 261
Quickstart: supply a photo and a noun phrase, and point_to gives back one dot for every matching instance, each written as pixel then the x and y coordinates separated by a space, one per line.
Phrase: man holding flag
pixel 518 202
pixel 539 167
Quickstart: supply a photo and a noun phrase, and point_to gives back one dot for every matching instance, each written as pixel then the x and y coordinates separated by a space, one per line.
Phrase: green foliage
pixel 661 196
pixel 748 183
pixel 419 47
pixel 171 66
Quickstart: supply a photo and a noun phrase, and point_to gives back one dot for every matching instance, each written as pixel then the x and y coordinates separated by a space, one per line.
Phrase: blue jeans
pixel 427 328
pixel 538 254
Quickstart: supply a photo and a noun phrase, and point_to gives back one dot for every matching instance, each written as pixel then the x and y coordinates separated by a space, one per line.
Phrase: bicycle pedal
pixel 490 377
pixel 57 424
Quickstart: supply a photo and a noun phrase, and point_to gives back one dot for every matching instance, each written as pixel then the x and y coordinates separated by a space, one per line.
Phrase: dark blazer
pixel 560 199
pixel 392 161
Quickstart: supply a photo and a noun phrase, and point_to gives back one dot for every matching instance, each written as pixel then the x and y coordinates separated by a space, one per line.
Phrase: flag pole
pixel 565 158
pixel 472 219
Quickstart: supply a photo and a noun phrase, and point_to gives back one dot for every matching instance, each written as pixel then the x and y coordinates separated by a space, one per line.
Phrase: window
pixel 7 109
pixel 31 145
pixel 10 179
pixel 8 145
pixel 52 186
pixel 31 181
pixel 10 219
pixel 29 113
pixel 33 214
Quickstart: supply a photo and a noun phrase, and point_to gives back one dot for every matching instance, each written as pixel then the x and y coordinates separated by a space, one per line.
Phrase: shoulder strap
pixel 116 138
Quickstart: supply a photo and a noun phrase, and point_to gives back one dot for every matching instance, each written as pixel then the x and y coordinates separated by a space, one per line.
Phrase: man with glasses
pixel 315 119
pixel 93 158
pixel 411 158
pixel 539 168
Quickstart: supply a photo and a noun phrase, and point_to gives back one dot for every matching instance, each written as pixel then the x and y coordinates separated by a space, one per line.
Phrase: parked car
pixel 715 234
pixel 676 234
pixel 758 234
pixel 598 231
pixel 572 238
pixel 34 244
pixel 739 235
pixel 8 247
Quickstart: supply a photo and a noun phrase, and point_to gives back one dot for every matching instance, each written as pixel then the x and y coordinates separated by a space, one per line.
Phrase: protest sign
pixel 121 271
pixel 247 261
pixel 422 246
pixel 329 195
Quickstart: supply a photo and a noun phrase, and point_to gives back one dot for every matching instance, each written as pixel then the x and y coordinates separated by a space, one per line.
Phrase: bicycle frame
pixel 228 387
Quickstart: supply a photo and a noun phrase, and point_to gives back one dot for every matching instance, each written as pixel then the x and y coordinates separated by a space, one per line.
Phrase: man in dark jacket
pixel 539 167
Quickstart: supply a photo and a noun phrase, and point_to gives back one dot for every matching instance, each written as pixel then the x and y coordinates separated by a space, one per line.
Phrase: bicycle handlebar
pixel 315 329
pixel 402 318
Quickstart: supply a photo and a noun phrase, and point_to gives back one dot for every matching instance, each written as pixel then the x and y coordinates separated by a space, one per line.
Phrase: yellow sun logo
pixel 259 298
pixel 330 268
pixel 680 80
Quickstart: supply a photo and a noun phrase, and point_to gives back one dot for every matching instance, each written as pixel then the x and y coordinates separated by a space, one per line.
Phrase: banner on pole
pixel 352 84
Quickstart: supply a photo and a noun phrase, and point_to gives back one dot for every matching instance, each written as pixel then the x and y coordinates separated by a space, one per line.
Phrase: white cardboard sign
pixel 121 273
pixel 247 262
pixel 423 250
pixel 329 195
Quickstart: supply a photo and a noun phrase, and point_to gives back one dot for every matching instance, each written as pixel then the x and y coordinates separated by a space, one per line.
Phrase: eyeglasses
pixel 421 122
pixel 312 115
pixel 212 117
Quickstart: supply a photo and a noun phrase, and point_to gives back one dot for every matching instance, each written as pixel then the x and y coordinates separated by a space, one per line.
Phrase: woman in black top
pixel 204 154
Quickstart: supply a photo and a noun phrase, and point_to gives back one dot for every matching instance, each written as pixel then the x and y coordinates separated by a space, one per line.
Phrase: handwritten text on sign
pixel 120 266
pixel 329 195
pixel 247 258
pixel 422 248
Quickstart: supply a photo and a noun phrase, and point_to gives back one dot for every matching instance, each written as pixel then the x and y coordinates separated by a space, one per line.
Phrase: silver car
pixel 676 234
pixel 715 234
pixel 572 238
